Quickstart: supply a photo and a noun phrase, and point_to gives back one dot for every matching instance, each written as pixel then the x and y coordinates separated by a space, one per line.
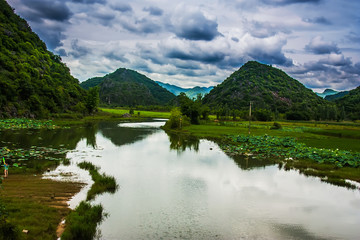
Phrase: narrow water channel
pixel 176 188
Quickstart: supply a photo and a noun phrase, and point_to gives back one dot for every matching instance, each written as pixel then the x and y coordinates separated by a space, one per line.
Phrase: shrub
pixel 176 120
pixel 276 126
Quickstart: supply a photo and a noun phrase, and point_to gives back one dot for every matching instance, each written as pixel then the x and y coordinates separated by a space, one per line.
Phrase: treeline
pixel 192 111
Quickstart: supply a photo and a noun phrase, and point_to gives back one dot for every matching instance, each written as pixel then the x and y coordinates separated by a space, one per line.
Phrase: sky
pixel 200 43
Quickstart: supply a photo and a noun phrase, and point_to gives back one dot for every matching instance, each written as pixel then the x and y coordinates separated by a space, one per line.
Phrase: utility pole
pixel 250 116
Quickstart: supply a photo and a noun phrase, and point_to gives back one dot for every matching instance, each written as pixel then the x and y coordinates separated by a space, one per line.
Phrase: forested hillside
pixel 336 96
pixel 270 89
pixel 33 81
pixel 92 82
pixel 350 103
pixel 126 87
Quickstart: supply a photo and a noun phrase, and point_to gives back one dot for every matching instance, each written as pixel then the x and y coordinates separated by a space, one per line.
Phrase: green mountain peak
pixel 266 87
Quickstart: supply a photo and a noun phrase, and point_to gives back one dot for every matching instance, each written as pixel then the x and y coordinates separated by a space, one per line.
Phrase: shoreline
pixel 38 204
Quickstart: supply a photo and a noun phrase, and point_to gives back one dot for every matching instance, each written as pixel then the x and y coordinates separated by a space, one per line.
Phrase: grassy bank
pixel 35 204
pixel 343 136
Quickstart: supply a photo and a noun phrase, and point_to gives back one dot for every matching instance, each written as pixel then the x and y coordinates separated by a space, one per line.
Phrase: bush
pixel 276 126
pixel 176 120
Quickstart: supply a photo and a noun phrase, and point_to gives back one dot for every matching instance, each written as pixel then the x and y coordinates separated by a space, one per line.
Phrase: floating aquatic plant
pixel 288 148
pixel 24 123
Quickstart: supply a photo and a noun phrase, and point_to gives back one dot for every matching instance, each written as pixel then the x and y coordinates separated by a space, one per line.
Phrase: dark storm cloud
pixel 318 46
pixel 89 1
pixel 199 56
pixel 155 11
pixel 151 54
pixel 122 7
pixel 270 57
pixel 116 56
pixel 105 18
pixel 38 10
pixel 62 52
pixel 51 35
pixel 327 73
pixel 318 20
pixel 288 2
pixel 141 26
pixel 195 26
pixel 77 50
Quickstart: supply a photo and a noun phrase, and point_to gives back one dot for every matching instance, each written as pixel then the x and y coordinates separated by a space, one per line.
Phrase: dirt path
pixel 35 191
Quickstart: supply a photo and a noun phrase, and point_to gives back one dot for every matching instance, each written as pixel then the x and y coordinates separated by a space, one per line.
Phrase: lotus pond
pixel 178 187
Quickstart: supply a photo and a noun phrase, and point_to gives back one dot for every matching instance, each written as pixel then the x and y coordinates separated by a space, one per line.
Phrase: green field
pixel 344 136
pixel 137 113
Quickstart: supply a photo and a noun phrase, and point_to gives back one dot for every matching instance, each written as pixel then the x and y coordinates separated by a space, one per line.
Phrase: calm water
pixel 179 188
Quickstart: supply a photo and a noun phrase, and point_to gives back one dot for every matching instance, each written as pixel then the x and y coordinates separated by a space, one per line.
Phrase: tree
pixel 92 99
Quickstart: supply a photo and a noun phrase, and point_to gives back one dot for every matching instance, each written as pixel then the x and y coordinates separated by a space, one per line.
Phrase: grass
pixel 320 135
pixel 81 223
pixel 137 114
pixel 102 183
pixel 36 204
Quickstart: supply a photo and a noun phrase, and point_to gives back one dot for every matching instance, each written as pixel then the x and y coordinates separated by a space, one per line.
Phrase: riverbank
pixel 37 205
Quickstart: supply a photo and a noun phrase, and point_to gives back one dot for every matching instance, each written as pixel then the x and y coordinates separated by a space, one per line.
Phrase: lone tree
pixel 92 100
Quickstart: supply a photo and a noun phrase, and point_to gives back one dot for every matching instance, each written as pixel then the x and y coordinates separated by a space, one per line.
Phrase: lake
pixel 175 187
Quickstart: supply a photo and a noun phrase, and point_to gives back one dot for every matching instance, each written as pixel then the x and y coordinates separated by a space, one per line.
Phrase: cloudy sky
pixel 189 43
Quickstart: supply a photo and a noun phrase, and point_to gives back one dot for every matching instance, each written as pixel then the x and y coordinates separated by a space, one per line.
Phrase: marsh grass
pixel 102 183
pixel 82 223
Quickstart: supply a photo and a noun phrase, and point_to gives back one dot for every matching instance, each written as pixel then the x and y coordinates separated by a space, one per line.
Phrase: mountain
pixel 267 88
pixel 327 92
pixel 190 92
pixel 126 87
pixel 338 95
pixel 92 82
pixel 33 81
pixel 173 88
pixel 350 103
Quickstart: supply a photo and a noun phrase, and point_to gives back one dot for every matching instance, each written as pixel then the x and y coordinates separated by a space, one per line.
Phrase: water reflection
pixel 120 135
pixel 250 162
pixel 181 142
pixel 56 138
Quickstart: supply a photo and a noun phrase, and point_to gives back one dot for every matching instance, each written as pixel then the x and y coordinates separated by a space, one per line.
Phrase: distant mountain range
pixel 190 92
pixel 332 95
pixel 327 92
